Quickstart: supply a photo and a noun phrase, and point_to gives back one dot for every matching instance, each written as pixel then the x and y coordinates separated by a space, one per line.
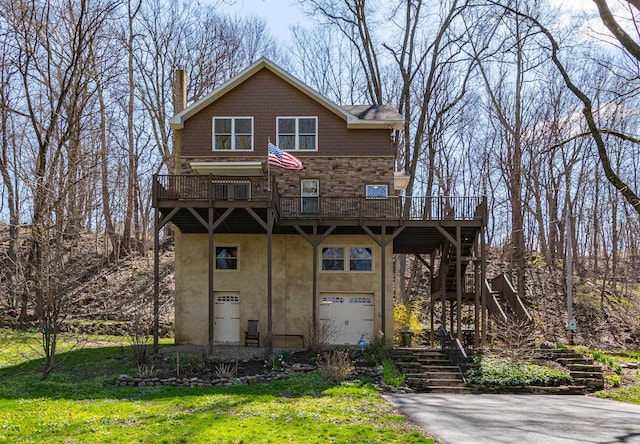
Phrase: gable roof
pixel 356 116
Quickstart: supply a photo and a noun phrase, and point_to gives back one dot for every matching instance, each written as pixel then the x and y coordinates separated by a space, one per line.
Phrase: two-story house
pixel 295 249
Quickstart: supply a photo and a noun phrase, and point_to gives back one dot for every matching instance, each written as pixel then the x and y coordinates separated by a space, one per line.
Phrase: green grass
pixel 76 404
pixel 629 394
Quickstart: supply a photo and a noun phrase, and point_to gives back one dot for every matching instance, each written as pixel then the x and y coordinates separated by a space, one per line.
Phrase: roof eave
pixel 376 124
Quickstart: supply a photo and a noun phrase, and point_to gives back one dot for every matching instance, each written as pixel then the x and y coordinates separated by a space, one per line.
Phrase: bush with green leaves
pixel 391 374
pixel 505 372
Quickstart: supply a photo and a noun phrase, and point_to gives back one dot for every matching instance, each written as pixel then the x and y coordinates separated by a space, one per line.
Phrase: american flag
pixel 282 159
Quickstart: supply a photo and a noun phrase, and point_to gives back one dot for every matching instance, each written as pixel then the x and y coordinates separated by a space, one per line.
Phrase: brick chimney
pixel 180 98
pixel 179 103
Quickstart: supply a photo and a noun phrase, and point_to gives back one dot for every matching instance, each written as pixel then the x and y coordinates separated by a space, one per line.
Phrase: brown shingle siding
pixel 266 96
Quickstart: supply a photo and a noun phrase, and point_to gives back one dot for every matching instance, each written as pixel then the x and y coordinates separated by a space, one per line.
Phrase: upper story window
pixel 298 133
pixel 233 133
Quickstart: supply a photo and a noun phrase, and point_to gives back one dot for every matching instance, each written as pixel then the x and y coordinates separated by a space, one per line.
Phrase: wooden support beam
pixel 383 241
pixel 423 262
pixel 447 236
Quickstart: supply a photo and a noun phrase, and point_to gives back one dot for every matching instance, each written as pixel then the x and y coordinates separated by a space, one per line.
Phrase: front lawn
pixel 77 404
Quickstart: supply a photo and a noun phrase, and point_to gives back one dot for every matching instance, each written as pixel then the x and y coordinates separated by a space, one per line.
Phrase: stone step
pixel 443 375
pixel 584 368
pixel 570 361
pixel 589 382
pixel 441 368
pixel 445 382
pixel 448 390
pixel 578 374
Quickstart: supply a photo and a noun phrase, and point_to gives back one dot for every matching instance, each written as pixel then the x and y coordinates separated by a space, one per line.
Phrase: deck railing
pixel 453 350
pixel 199 188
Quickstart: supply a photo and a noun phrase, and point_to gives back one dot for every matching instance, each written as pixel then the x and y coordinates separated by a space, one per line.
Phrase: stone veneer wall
pixel 338 176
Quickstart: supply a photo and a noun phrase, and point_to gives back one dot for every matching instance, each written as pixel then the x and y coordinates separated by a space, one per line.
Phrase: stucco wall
pixel 292 259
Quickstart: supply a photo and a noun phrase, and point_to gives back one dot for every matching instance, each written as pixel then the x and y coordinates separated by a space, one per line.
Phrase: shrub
pixel 318 337
pixel 391 374
pixel 335 365
pixel 378 350
pixel 614 380
pixel 277 362
pixel 505 372
pixel 406 317
pixel 226 371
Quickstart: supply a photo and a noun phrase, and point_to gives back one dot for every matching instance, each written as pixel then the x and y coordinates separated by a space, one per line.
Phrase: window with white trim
pixel 347 259
pixel 297 133
pixel 226 258
pixel 233 133
pixel 333 259
pixel 376 191
pixel 360 259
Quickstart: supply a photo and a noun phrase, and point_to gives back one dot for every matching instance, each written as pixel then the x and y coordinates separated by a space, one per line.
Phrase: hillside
pixel 108 296
pixel 101 294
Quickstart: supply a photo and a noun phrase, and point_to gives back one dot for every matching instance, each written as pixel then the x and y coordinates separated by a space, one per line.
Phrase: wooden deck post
pixel 459 282
pixel 269 281
pixel 210 299
pixel 156 279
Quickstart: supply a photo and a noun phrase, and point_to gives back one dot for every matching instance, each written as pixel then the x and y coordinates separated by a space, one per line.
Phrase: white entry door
pixel 351 317
pixel 227 319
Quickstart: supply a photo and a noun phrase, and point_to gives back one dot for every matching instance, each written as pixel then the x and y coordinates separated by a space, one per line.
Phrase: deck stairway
pixel 582 369
pixel 503 301
pixel 448 263
pixel 427 370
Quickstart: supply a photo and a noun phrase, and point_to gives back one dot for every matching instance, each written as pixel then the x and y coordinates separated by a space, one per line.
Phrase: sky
pixel 278 14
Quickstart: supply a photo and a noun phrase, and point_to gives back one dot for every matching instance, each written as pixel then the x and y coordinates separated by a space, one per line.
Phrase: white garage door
pixel 227 319
pixel 351 317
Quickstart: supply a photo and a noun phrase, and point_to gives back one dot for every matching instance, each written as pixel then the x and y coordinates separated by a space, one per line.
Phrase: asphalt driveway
pixel 548 419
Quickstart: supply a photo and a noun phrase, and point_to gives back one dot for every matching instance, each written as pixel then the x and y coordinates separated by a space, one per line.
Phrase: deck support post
pixel 459 282
pixel 210 299
pixel 269 281
pixel 483 277
pixel 156 279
